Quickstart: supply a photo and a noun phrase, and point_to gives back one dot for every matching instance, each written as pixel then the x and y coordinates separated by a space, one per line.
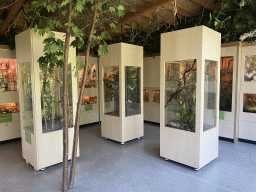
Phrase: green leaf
pixel 64 3
pixel 80 65
pixel 70 24
pixel 50 8
pixel 112 9
pixel 113 25
pixel 120 8
pixel 103 49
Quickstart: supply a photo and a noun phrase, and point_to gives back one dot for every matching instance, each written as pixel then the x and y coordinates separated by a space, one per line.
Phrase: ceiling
pixel 142 15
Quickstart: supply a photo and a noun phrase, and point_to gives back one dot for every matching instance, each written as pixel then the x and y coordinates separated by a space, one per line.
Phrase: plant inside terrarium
pixel 132 90
pixel 51 103
pixel 111 90
pixel 249 104
pixel 181 97
pixel 226 82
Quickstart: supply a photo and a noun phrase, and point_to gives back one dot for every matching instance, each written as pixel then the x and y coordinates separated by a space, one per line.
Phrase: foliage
pixel 186 98
pixel 234 19
pixel 52 18
pixel 226 82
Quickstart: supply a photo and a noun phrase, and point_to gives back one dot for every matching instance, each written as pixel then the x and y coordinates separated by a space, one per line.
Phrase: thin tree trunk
pixel 80 99
pixel 65 102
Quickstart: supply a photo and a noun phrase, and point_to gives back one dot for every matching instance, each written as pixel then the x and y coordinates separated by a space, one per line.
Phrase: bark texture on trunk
pixel 65 102
pixel 78 111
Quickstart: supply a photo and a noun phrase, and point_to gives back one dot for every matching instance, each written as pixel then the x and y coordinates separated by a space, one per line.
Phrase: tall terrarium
pixel 189 106
pixel 40 96
pixel 121 92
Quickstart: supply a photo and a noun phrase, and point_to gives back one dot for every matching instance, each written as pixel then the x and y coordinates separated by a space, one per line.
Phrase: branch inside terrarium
pixel 190 69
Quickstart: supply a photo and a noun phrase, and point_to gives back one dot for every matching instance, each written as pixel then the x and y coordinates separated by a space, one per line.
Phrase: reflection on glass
pixel 210 91
pixel 180 86
pixel 51 103
pixel 8 75
pixel 91 76
pixel 26 96
pixel 250 68
pixel 156 96
pixel 249 103
pixel 145 95
pixel 89 100
pixel 226 82
pixel 111 90
pixel 132 91
pixel 9 108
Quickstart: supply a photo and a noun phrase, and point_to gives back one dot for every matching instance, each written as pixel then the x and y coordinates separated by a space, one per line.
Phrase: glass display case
pixel 89 100
pixel 51 102
pixel 210 92
pixel 180 91
pixel 26 96
pixel 111 91
pixel 146 95
pixel 121 82
pixel 8 75
pixel 249 104
pixel 250 68
pixel 40 99
pixel 91 76
pixel 156 96
pixel 226 83
pixel 9 108
pixel 132 91
pixel 190 64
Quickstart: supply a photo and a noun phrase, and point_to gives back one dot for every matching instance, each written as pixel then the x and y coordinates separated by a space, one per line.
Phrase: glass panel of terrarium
pixel 8 75
pixel 146 95
pixel 249 104
pixel 250 68
pixel 210 91
pixel 180 94
pixel 132 91
pixel 111 90
pixel 91 76
pixel 51 102
pixel 26 97
pixel 156 96
pixel 226 83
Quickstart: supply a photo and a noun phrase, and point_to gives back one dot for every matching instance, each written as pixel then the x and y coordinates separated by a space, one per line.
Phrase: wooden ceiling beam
pixel 11 16
pixel 141 9
pixel 207 4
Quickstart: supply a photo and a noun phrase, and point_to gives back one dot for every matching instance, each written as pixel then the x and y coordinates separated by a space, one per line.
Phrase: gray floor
pixel 105 165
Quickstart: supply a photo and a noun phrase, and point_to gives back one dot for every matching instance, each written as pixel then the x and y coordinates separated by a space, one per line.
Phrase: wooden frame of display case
pixel 198 148
pixel 116 125
pixel 41 148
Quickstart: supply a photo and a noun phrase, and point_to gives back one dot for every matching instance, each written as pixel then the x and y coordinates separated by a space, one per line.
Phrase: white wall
pixel 151 66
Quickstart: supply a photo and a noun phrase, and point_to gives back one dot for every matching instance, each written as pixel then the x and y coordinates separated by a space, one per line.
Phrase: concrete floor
pixel 105 165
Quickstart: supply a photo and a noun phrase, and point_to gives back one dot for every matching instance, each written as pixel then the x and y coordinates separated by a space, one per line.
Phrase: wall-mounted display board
pixel 121 77
pixel 189 123
pixel 9 98
pixel 152 85
pixel 228 89
pixel 90 112
pixel 40 93
pixel 247 115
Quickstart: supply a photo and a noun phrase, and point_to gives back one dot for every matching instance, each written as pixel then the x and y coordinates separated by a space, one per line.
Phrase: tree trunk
pixel 80 99
pixel 65 102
